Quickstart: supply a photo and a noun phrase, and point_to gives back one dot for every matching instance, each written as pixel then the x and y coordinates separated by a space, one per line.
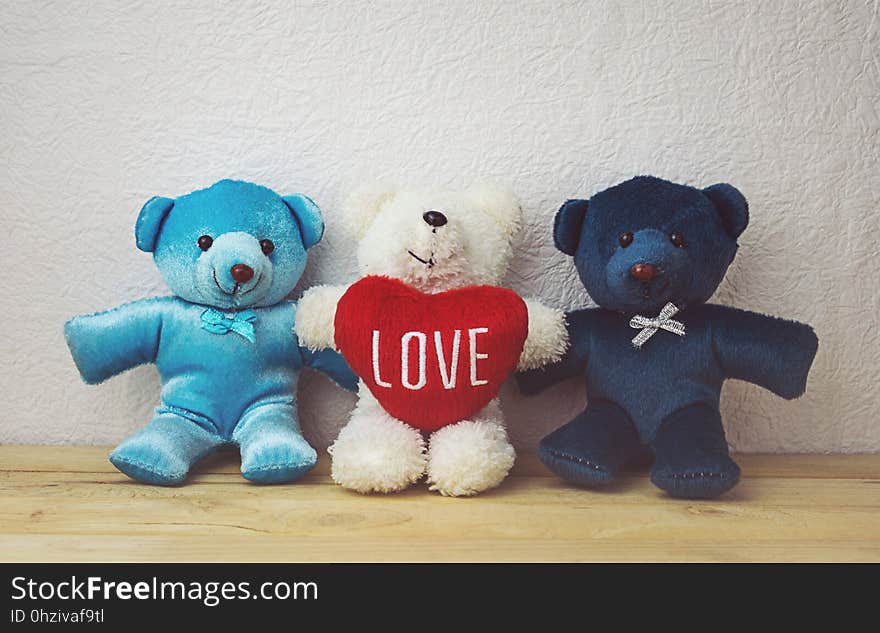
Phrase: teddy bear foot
pixel 163 452
pixel 149 466
pixel 276 461
pixel 469 457
pixel 273 450
pixel 692 460
pixel 589 450
pixel 377 453
pixel 704 481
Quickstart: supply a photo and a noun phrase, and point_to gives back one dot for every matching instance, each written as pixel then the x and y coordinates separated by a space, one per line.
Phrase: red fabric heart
pixel 390 334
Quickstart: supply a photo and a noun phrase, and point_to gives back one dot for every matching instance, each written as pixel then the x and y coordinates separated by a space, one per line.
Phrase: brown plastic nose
pixel 643 272
pixel 241 273
pixel 434 218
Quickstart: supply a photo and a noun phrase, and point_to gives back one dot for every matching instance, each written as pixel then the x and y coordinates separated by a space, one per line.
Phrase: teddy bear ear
pixel 149 222
pixel 732 207
pixel 363 205
pixel 568 224
pixel 500 204
pixel 307 216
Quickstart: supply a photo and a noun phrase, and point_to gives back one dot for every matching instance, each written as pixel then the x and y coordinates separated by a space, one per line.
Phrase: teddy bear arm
pixel 535 381
pixel 547 338
pixel 332 364
pixel 315 316
pixel 107 343
pixel 572 363
pixel 768 351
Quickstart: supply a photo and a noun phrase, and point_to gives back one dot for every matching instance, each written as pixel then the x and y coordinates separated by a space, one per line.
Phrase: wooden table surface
pixel 70 504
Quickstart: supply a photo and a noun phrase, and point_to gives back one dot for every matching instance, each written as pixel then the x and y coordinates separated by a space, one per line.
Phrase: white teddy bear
pixel 434 242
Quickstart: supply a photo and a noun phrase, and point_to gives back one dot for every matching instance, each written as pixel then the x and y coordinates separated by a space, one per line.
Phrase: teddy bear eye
pixel 625 239
pixel 677 239
pixel 205 242
pixel 267 246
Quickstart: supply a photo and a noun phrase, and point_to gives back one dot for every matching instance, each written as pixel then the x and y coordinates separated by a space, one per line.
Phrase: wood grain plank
pixel 74 548
pixel 70 504
pixel 94 459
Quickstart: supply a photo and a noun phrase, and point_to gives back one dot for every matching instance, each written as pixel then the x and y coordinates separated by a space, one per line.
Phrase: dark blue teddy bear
pixel 224 345
pixel 654 354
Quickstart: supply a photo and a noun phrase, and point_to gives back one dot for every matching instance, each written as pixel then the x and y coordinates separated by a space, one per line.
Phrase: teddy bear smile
pixel 427 262
pixel 251 289
pixel 235 290
pixel 649 290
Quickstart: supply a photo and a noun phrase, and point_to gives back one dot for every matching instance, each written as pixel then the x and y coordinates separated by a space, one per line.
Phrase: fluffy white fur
pixel 547 339
pixel 470 456
pixel 375 452
pixel 474 247
pixel 315 315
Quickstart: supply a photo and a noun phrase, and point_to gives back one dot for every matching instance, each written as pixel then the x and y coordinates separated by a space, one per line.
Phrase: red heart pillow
pixel 430 359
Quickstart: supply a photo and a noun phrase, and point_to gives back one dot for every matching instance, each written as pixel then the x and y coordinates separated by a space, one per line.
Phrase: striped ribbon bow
pixel 649 326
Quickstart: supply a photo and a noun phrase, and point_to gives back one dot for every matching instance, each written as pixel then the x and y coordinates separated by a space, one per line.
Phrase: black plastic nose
pixel 643 272
pixel 241 273
pixel 434 218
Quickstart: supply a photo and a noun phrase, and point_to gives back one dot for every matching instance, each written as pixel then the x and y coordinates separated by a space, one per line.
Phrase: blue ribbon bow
pixel 241 323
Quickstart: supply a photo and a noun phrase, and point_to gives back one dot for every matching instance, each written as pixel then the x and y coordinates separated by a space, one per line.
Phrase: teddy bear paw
pixel 376 453
pixel 277 460
pixel 692 460
pixel 547 339
pixel 469 457
pixel 704 479
pixel 315 312
pixel 591 449
pixel 151 463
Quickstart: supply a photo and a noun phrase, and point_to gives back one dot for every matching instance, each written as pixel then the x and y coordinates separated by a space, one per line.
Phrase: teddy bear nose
pixel 643 272
pixel 434 218
pixel 241 273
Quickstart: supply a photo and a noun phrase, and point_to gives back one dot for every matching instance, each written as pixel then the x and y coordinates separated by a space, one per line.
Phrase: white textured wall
pixel 104 104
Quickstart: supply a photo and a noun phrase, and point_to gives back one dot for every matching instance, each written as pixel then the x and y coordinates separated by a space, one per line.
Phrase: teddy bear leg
pixel 692 459
pixel 163 452
pixel 273 449
pixel 376 452
pixel 469 457
pixel 589 450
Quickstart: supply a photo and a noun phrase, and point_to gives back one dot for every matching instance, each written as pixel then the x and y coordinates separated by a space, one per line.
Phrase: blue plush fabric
pixel 665 394
pixel 224 347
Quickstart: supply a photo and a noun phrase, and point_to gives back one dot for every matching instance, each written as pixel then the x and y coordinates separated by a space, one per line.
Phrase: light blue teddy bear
pixel 224 345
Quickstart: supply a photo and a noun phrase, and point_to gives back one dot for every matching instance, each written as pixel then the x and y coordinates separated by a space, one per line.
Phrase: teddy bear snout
pixel 241 273
pixel 643 272
pixel 235 266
